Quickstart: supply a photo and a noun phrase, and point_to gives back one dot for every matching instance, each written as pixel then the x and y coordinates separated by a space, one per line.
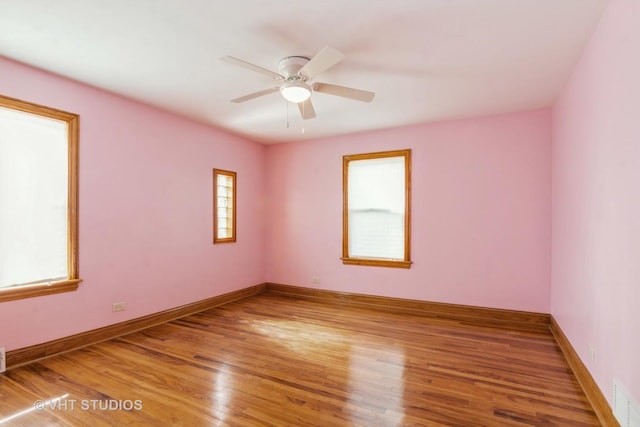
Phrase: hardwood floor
pixel 281 361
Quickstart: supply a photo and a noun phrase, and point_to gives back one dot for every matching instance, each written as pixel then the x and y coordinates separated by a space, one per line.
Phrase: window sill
pixel 29 291
pixel 374 262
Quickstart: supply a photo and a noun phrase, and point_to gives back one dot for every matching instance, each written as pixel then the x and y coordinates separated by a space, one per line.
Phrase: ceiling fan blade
pixel 306 109
pixel 256 94
pixel 250 66
pixel 323 60
pixel 345 92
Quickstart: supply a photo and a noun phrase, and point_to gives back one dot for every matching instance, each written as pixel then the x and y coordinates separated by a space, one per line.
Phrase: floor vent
pixel 624 409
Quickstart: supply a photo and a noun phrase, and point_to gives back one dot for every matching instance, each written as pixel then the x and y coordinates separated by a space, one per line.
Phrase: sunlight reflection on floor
pixel 222 393
pixel 375 366
pixel 300 337
pixel 38 405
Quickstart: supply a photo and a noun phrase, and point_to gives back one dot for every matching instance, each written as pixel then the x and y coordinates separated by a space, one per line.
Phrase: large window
pixel 377 201
pixel 38 200
pixel 224 206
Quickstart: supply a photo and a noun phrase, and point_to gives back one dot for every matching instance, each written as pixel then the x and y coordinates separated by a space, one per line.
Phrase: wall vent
pixel 625 409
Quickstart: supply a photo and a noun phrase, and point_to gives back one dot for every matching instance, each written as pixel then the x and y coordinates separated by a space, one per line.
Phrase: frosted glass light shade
pixel 295 92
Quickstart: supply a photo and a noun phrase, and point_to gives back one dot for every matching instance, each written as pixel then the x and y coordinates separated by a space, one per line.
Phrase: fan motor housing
pixel 290 66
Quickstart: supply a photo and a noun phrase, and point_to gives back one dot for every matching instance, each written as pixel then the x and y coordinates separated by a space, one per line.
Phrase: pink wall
pixel 481 213
pixel 596 202
pixel 145 212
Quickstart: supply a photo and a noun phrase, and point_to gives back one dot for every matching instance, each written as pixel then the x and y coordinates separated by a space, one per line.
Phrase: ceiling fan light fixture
pixel 295 91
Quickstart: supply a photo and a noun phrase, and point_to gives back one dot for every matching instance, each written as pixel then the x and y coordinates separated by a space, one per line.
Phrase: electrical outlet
pixel 118 306
pixel 315 279
pixel 592 353
pixel 3 360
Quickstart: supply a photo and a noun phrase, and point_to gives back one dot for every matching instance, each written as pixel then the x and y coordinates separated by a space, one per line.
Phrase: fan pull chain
pixel 287 113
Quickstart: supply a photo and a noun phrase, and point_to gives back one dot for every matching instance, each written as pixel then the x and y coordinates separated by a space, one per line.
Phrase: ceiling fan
pixel 295 73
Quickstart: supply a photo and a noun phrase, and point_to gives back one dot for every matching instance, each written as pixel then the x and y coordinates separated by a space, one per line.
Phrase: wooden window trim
pixel 377 262
pixel 233 176
pixel 73 131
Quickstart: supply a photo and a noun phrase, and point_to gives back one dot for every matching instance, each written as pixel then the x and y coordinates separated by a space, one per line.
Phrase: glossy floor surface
pixel 278 361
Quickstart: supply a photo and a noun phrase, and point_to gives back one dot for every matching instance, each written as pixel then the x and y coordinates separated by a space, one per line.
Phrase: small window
pixel 376 212
pixel 224 206
pixel 38 200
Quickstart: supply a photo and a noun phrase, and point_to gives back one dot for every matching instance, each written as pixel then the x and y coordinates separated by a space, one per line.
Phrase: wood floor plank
pixel 275 360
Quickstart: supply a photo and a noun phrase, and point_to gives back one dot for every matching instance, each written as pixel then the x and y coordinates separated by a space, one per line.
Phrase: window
pixel 38 200
pixel 376 212
pixel 224 206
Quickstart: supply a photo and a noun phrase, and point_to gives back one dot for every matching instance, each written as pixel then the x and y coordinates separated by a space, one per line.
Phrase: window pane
pixel 224 206
pixel 376 234
pixel 376 208
pixel 377 184
pixel 33 198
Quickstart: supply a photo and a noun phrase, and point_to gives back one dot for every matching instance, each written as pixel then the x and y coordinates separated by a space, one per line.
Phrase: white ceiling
pixel 427 60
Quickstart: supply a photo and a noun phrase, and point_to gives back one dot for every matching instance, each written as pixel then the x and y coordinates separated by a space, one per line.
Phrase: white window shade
pixel 33 198
pixel 376 201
